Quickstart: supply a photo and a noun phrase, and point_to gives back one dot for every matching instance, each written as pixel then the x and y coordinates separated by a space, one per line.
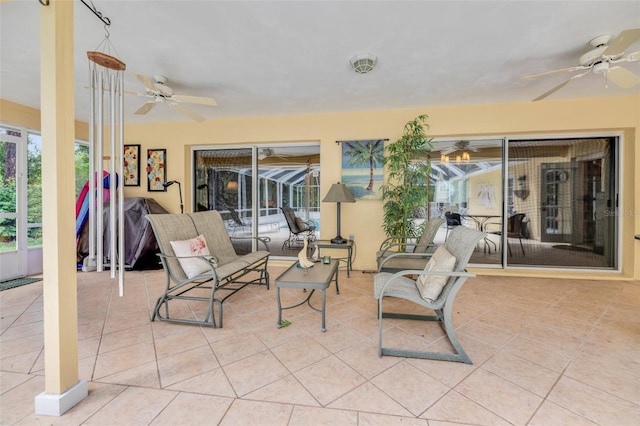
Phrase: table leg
pixel 279 307
pixel 324 302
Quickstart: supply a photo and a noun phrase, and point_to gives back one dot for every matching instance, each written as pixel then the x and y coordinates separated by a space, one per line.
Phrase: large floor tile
pixel 500 396
pixel 596 405
pixel 527 339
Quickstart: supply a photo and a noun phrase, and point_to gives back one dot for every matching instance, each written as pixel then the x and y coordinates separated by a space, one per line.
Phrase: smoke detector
pixel 363 64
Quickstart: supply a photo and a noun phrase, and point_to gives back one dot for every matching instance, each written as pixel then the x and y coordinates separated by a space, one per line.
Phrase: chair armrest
pixel 393 240
pixel 210 259
pixel 393 248
pixel 264 240
pixel 401 255
pixel 423 246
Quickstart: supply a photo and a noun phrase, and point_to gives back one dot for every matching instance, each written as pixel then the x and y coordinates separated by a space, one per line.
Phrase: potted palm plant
pixel 406 188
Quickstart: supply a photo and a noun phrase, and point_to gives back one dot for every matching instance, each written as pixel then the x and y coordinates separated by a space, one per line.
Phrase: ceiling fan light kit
pixel 159 93
pixel 599 60
pixel 463 153
pixel 363 64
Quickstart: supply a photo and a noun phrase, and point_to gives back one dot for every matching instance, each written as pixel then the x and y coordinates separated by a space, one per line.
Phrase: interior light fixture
pixel 363 64
pixel 338 193
pixel 461 157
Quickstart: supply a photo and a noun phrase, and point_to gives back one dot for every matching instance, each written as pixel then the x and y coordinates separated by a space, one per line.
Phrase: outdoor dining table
pixel 481 221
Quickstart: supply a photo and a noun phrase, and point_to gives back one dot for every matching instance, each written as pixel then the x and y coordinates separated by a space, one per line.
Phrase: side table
pixel 348 246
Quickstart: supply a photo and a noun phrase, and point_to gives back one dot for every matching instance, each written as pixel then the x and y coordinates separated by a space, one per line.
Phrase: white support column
pixel 63 390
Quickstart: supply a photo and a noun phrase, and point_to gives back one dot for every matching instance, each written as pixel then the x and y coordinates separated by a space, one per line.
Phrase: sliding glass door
pixel 567 190
pixel 466 179
pixel 544 203
pixel 249 186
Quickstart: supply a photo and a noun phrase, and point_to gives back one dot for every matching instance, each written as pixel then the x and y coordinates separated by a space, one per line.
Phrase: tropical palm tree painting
pixel 362 167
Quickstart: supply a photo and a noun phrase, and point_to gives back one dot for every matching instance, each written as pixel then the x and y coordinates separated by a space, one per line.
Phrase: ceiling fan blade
pixel 186 111
pixel 146 81
pixel 582 67
pixel 195 100
pixel 145 108
pixel 131 92
pixel 619 44
pixel 622 77
pixel 632 57
pixel 559 86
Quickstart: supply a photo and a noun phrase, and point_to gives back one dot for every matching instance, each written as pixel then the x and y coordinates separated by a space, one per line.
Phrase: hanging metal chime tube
pixel 106 87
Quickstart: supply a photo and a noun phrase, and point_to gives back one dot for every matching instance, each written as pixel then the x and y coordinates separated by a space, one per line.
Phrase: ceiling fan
pixel 606 53
pixel 159 93
pixel 459 146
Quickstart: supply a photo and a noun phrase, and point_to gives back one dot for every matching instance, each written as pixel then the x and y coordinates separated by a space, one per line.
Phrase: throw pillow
pixel 194 247
pixel 430 286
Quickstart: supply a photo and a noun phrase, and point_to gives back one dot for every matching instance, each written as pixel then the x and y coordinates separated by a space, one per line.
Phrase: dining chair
pixel 514 230
pixel 453 219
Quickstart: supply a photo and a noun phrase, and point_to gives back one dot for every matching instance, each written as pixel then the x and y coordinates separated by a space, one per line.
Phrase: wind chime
pixel 106 87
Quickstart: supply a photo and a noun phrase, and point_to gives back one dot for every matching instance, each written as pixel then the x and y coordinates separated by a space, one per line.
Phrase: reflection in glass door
pixel 553 205
pixel 249 186
pixel 556 207
pixel 467 180
pixel 223 182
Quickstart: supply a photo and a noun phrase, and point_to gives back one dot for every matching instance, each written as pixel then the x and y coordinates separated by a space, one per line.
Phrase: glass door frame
pixel 257 150
pixel 13 263
pixel 617 185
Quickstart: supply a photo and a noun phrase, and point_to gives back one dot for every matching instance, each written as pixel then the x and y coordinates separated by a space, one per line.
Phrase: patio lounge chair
pixel 236 223
pixel 298 229
pixel 398 253
pixel 436 292
pixel 201 264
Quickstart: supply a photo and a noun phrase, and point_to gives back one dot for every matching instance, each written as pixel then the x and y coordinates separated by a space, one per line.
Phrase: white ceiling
pixel 292 57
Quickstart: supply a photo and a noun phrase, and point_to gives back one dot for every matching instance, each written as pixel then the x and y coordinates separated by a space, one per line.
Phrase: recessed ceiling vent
pixel 363 64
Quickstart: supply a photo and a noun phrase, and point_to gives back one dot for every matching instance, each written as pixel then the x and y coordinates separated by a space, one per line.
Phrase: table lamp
pixel 339 193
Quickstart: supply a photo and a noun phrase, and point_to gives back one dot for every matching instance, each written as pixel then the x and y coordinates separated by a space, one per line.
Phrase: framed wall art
pixel 362 167
pixel 156 169
pixel 131 166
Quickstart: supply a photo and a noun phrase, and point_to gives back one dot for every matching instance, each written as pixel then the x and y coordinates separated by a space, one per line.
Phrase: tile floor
pixel 545 352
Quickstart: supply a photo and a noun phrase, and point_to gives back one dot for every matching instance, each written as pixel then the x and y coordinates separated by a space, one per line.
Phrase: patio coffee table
pixel 318 277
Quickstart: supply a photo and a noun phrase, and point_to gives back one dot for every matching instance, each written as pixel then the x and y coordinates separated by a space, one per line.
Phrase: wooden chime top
pixel 107 61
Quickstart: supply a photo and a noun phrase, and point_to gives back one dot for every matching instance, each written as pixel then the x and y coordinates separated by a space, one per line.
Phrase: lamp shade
pixel 339 193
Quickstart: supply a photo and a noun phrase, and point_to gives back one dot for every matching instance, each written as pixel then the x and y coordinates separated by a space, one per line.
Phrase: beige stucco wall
pixel 612 115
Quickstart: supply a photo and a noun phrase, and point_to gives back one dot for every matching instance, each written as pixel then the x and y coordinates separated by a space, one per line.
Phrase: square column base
pixel 48 404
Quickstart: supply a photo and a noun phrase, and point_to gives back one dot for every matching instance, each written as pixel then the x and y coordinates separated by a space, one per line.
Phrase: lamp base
pixel 338 240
